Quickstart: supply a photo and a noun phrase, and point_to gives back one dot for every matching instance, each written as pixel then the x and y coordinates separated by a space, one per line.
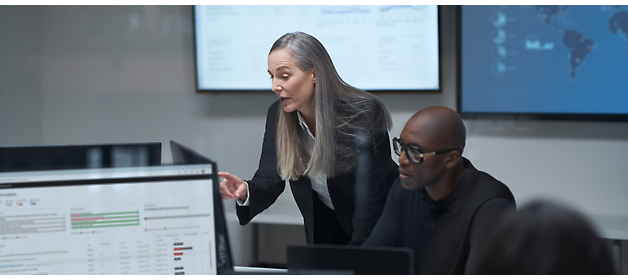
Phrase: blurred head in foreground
pixel 545 238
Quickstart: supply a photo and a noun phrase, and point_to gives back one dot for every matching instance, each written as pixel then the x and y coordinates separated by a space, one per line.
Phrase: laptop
pixel 336 259
pixel 59 157
pixel 119 220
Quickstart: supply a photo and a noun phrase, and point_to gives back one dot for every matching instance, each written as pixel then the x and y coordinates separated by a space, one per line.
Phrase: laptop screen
pixel 336 259
pixel 132 220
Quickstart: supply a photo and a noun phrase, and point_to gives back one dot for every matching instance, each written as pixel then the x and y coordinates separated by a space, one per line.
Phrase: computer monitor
pixel 336 259
pixel 121 220
pixel 59 157
pixel 185 155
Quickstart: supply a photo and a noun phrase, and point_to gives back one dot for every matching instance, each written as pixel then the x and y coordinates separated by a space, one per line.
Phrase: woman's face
pixel 293 86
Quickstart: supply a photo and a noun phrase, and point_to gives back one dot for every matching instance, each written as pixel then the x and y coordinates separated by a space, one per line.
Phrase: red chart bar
pixel 178 254
pixel 178 249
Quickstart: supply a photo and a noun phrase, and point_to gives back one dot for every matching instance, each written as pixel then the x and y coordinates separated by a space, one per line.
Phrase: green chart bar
pixel 101 220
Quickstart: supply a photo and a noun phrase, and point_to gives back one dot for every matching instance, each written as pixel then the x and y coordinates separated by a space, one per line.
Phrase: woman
pixel 328 139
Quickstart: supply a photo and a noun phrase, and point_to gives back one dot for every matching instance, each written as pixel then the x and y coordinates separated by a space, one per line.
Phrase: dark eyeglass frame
pixel 415 155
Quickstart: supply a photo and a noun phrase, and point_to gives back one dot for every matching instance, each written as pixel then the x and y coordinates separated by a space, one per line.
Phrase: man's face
pixel 428 173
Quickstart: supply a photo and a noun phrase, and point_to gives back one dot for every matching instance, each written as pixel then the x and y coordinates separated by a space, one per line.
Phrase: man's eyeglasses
pixel 413 153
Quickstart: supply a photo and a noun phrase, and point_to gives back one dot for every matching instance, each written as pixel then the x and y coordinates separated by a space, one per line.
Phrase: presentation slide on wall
pixel 372 47
pixel 162 227
pixel 544 59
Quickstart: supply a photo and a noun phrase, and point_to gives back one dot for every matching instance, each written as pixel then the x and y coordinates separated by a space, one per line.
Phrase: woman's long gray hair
pixel 343 115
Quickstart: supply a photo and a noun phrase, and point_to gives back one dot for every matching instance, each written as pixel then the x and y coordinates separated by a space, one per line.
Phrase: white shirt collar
pixel 304 124
pixel 319 183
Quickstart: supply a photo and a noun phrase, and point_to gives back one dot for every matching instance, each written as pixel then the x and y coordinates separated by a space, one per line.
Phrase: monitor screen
pixel 373 47
pixel 566 62
pixel 138 220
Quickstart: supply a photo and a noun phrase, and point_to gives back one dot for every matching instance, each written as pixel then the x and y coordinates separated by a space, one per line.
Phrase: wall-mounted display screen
pixel 562 62
pixel 377 48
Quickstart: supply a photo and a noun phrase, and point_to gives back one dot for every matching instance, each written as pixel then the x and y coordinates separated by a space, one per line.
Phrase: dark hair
pixel 545 238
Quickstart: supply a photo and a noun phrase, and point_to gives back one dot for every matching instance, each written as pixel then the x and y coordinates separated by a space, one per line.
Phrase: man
pixel 440 206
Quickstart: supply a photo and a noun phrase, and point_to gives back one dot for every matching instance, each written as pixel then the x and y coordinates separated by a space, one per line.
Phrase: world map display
pixel 578 45
pixel 544 59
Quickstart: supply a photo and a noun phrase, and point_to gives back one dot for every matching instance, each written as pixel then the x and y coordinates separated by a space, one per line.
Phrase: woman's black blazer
pixel 358 196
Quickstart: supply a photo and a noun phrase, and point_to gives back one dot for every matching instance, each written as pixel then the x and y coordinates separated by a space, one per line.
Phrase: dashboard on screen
pixel 140 220
pixel 391 48
pixel 556 62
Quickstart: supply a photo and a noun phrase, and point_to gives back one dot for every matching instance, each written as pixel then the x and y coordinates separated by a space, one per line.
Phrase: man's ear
pixel 453 159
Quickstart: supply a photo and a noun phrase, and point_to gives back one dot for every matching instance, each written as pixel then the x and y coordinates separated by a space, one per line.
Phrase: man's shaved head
pixel 441 125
